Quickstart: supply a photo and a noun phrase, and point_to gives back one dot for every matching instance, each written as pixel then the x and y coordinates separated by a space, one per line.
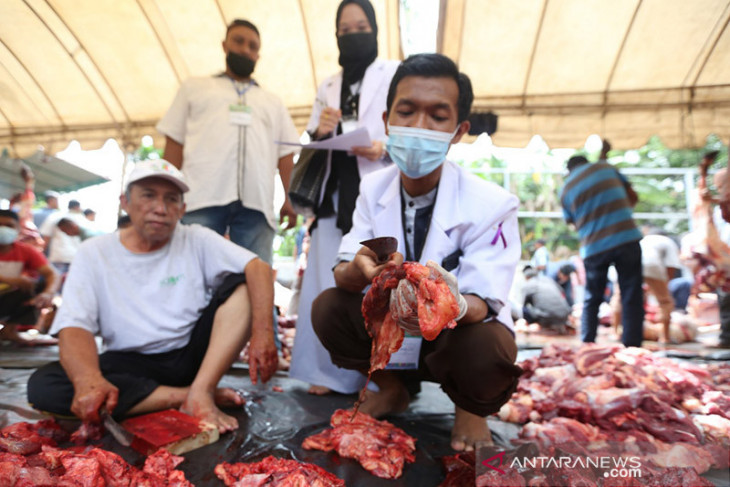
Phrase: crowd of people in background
pixel 35 261
pixel 637 280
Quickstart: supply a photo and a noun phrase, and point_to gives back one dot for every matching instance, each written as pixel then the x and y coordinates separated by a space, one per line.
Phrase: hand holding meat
pixel 404 307
pixel 90 395
pixel 453 287
pixel 366 261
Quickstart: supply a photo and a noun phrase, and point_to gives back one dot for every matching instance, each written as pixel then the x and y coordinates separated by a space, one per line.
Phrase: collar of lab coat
pixel 372 76
pixel 446 213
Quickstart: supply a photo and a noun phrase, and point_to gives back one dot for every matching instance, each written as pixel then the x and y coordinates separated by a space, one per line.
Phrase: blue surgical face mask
pixel 417 152
pixel 7 235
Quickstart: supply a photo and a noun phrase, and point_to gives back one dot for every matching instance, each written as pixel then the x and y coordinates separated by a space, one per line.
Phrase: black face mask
pixel 240 65
pixel 357 47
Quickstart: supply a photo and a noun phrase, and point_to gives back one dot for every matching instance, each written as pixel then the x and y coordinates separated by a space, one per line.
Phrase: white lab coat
pixel 473 216
pixel 373 95
pixel 310 360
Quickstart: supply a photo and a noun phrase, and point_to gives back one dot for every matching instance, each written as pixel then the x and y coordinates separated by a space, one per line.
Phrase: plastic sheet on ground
pixel 276 423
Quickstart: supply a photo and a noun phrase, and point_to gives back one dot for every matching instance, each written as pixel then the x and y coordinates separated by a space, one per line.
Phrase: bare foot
pixel 390 399
pixel 318 390
pixel 470 431
pixel 227 397
pixel 203 406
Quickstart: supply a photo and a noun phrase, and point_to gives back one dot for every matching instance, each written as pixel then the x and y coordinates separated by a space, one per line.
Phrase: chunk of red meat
pixel 50 457
pixel 9 472
pixel 273 471
pixel 50 429
pixel 87 432
pixel 510 478
pixel 380 447
pixel 23 439
pixel 436 305
pixel 160 466
pixel 459 468
pixel 81 471
pixel 678 477
pixel 115 470
pixel 13 458
pixel 162 462
pixel 34 477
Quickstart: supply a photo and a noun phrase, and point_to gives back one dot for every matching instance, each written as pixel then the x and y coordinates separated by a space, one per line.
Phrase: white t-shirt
pixel 61 247
pixel 223 162
pixel 146 302
pixel 657 253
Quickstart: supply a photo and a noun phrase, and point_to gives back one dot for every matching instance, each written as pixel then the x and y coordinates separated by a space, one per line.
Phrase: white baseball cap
pixel 157 168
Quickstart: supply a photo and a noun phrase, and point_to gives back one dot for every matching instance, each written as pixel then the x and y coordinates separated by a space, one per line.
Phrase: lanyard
pixel 241 91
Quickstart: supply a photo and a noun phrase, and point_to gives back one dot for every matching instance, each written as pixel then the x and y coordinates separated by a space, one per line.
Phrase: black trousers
pixel 135 374
pixel 13 307
pixel 474 363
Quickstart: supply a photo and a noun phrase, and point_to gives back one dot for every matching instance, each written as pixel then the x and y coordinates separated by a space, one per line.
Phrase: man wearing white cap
pixel 145 290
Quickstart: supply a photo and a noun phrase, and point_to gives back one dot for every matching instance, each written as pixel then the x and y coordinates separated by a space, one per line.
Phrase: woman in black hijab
pixel 353 98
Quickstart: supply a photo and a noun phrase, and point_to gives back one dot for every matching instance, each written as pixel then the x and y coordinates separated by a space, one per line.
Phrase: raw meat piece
pixel 711 402
pixel 611 401
pixel 678 477
pixel 681 455
pixel 380 447
pixel 510 478
pixel 460 469
pixel 50 429
pixel 715 427
pixel 569 477
pixel 115 470
pixel 559 430
pixel 436 307
pixel 23 439
pixel 50 457
pixel 82 471
pixel 87 432
pixel 76 466
pixel 162 462
pixel 33 477
pixel 591 357
pixel 273 471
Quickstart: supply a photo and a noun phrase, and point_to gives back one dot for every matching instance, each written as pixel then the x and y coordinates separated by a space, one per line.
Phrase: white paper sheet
pixel 356 138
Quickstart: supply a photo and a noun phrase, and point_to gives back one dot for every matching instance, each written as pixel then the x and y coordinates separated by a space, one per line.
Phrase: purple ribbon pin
pixel 499 235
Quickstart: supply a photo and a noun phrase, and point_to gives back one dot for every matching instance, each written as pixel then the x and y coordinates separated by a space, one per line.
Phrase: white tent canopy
pixel 564 69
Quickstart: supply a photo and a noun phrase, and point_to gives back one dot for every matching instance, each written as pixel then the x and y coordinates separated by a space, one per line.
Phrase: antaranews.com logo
pixel 612 466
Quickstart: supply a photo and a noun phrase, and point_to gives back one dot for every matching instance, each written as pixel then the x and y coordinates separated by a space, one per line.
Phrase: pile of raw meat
pixel 380 447
pixel 625 401
pixel 424 292
pixel 30 457
pixel 276 471
pixel 461 471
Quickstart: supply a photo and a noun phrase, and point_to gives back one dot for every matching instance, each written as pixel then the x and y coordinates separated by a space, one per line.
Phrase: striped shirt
pixel 594 198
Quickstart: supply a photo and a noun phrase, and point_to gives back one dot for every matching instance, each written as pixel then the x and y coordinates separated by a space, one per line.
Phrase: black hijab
pixel 357 52
pixel 363 48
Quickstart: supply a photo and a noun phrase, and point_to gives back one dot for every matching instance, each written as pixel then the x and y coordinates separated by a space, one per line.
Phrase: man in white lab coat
pixel 439 212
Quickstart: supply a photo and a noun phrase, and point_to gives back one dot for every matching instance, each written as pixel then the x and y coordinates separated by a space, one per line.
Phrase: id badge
pixel 406 358
pixel 240 115
pixel 349 124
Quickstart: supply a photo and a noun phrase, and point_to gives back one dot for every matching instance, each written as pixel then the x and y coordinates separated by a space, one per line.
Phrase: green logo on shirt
pixel 171 281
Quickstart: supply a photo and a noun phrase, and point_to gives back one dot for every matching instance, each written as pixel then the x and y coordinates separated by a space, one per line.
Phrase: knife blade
pixel 382 246
pixel 118 432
